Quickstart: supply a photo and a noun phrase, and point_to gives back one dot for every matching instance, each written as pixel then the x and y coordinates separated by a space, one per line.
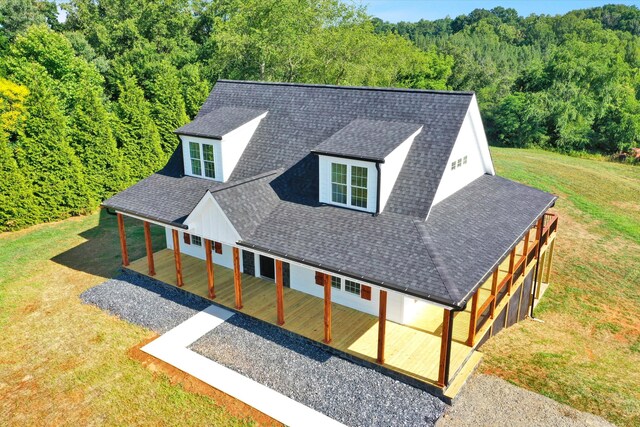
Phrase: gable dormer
pixel 213 143
pixel 359 164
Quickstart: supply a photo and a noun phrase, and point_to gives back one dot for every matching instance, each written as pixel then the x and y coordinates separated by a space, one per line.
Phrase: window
pixel 453 165
pixel 196 240
pixel 459 162
pixel 359 186
pixel 349 185
pixel 464 160
pixel 338 183
pixel 194 150
pixel 456 164
pixel 202 158
pixel 209 166
pixel 336 282
pixel 352 287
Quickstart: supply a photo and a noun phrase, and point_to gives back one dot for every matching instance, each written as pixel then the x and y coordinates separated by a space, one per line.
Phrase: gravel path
pixel 144 302
pixel 349 393
pixel 491 401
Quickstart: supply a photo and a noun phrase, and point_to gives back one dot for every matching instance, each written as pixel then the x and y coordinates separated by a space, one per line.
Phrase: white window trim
pixel 326 181
pixel 217 156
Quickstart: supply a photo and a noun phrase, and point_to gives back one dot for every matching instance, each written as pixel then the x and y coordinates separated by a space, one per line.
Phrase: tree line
pixel 88 106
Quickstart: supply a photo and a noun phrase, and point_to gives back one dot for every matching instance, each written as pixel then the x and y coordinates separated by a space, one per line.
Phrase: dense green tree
pixel 136 133
pixel 44 156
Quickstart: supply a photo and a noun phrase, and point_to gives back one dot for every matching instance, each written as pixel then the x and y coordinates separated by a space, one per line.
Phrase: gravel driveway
pixel 350 393
pixel 491 401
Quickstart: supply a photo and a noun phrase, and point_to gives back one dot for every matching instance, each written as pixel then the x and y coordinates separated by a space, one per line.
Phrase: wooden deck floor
pixel 413 350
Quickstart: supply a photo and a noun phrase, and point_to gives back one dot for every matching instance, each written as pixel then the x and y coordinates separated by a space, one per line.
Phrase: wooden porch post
pixel 147 243
pixel 539 236
pixel 382 325
pixel 547 272
pixel 512 260
pixel 176 256
pixel 473 320
pixel 494 288
pixel 237 280
pixel 210 275
pixel 123 240
pixel 279 292
pixel 444 348
pixel 327 308
pixel 525 249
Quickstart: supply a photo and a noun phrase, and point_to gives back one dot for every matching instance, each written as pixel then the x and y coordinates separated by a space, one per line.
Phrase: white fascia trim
pixel 161 224
pixel 209 196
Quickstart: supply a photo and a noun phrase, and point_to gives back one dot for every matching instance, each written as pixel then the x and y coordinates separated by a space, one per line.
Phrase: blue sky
pixel 414 10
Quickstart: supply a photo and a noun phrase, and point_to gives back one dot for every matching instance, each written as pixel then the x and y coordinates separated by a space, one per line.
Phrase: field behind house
pixel 587 351
pixel 63 362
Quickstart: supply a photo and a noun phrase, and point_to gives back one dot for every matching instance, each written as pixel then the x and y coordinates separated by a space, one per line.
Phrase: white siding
pixel 186 156
pixel 390 169
pixel 471 142
pixel 208 220
pixel 325 180
pixel 412 308
pixel 234 144
pixel 225 259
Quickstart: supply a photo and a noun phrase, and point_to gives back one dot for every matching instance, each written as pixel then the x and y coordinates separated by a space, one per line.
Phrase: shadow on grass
pixel 100 255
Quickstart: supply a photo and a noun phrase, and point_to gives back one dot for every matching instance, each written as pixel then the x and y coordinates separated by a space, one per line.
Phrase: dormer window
pixel 356 193
pixel 202 159
pixel 360 163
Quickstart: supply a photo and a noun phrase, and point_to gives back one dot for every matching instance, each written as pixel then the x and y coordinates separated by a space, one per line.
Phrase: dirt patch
pixel 193 385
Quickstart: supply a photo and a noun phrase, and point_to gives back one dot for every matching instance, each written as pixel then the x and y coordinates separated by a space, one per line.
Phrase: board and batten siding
pixel 208 220
pixel 471 142
pixel 226 151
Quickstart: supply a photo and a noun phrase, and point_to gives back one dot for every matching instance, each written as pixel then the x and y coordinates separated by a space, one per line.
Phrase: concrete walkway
pixel 172 348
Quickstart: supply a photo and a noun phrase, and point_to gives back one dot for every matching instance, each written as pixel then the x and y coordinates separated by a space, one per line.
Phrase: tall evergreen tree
pixel 92 139
pixel 167 104
pixel 44 155
pixel 136 133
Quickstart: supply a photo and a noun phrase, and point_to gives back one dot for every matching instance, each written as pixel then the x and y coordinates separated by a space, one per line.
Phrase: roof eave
pixel 346 156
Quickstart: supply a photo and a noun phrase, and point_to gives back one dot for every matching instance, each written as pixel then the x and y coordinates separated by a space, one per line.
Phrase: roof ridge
pixel 364 88
pixel 441 269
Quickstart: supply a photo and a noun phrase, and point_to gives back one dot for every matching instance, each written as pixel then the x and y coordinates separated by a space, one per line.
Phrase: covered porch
pixel 412 350
pixel 437 349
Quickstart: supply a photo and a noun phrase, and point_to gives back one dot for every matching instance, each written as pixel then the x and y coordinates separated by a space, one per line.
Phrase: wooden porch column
pixel 176 256
pixel 210 275
pixel 279 292
pixel 539 236
pixel 512 260
pixel 547 272
pixel 382 325
pixel 327 308
pixel 473 320
pixel 237 280
pixel 444 348
pixel 525 249
pixel 123 240
pixel 494 291
pixel 147 243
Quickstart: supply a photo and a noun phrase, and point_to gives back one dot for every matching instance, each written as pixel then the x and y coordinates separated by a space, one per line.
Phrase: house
pixel 368 219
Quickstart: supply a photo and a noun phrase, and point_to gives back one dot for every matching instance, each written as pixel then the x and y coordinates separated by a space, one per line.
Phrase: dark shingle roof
pixel 367 139
pixel 219 122
pixel 272 196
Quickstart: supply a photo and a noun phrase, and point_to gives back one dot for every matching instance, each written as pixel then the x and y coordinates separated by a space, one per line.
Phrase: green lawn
pixel 66 363
pixel 63 362
pixel 587 351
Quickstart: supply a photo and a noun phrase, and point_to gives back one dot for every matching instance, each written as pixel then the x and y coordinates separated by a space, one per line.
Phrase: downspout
pixel 378 190
pixel 450 340
pixel 535 274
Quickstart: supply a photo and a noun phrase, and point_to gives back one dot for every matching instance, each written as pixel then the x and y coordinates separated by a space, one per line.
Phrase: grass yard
pixel 587 351
pixel 66 363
